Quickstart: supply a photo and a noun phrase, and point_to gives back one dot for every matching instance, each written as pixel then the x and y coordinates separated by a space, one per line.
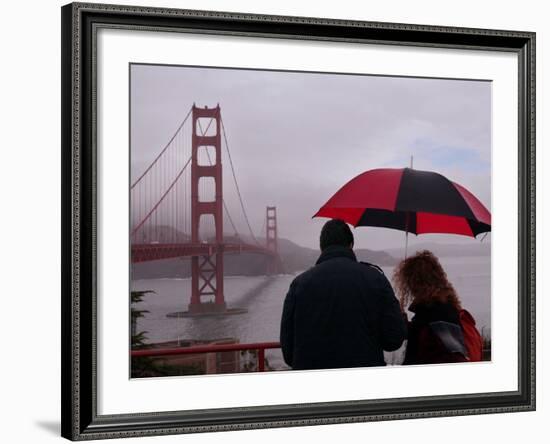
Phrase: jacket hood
pixel 335 251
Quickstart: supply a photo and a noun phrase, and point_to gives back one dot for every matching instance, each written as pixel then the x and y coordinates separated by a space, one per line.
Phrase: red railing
pixel 214 348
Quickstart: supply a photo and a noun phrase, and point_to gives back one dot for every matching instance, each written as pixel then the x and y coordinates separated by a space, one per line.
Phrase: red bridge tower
pixel 206 271
pixel 271 239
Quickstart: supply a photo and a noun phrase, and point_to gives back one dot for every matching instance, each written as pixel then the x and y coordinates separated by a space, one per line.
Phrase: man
pixel 341 313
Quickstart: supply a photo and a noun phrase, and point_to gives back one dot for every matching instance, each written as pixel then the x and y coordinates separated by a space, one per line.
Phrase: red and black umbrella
pixel 410 200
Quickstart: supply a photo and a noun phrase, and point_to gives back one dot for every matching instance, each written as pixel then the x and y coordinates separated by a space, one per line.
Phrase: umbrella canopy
pixel 409 200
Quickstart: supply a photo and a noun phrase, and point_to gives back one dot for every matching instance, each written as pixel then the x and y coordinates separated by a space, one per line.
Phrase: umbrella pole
pixel 407 224
pixel 406 233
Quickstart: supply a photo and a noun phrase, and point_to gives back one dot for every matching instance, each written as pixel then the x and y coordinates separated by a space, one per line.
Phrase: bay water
pixel 263 296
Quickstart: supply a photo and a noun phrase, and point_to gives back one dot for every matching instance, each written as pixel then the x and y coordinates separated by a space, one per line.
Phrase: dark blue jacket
pixel 340 313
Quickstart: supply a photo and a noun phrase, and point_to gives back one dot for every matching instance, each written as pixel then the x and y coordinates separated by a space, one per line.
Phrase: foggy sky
pixel 296 138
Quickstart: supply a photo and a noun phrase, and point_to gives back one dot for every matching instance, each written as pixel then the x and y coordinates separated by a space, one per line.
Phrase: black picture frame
pixel 79 210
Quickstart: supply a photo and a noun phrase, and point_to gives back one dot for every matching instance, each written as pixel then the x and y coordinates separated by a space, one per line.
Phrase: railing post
pixel 211 349
pixel 261 359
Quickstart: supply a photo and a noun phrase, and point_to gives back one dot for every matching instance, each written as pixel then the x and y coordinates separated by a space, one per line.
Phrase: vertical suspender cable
pixel 236 183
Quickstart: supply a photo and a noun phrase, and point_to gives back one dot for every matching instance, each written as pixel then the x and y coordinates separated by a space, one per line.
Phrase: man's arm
pixel 393 329
pixel 287 326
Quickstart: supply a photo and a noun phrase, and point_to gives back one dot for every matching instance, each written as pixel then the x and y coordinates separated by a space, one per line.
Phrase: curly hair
pixel 421 279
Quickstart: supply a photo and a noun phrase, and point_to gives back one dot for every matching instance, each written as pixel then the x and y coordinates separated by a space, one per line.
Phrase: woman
pixel 441 330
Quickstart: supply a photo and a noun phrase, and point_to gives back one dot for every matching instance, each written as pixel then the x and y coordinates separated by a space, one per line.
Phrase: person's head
pixel 336 232
pixel 421 279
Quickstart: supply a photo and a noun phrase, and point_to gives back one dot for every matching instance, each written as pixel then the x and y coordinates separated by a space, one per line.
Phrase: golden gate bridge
pixel 181 192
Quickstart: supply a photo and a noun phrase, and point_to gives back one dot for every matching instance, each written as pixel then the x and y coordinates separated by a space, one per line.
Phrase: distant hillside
pixel 297 258
pixel 160 233
pixel 446 250
pixel 294 259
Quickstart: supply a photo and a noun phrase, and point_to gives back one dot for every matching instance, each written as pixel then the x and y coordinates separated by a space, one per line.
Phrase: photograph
pixel 296 220
pixel 274 221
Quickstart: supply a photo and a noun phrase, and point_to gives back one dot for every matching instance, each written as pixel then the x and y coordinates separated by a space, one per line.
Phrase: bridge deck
pixel 158 251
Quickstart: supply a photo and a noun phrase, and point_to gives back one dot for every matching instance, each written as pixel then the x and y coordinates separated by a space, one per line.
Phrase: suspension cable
pixel 153 210
pixel 163 150
pixel 236 183
pixel 210 162
pixel 262 231
pixel 162 198
pixel 182 171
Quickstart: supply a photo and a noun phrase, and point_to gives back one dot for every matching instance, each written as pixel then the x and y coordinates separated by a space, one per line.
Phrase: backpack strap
pixel 451 336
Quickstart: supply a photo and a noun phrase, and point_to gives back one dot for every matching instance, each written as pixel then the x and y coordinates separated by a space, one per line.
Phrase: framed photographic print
pixel 278 221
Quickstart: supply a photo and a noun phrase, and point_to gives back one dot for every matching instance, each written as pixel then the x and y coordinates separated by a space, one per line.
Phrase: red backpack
pixel 472 339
